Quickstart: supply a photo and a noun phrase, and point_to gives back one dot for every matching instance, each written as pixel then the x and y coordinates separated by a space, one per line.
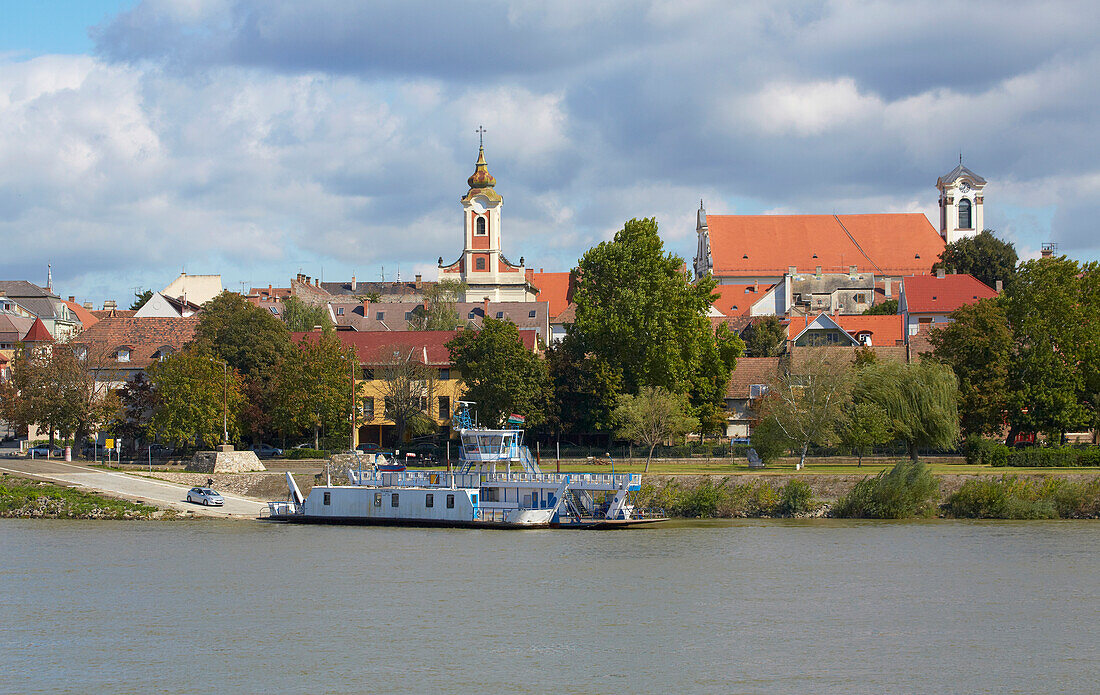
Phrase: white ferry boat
pixel 498 484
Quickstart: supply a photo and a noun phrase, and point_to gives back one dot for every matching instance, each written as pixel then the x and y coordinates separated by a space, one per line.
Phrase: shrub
pixel 306 454
pixel 986 452
pixel 1089 457
pixel 907 490
pixel 796 497
pixel 703 501
pixel 1010 497
pixel 1036 457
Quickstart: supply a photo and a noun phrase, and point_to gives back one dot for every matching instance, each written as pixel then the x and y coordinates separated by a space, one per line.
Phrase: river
pixel 714 607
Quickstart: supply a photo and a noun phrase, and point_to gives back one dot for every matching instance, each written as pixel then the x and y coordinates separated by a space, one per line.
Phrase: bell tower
pixel 962 203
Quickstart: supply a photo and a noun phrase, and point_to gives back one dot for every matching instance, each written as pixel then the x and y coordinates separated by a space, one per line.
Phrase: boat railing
pixel 283 509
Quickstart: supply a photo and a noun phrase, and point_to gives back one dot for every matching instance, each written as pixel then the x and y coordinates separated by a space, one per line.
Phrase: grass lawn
pixel 20 497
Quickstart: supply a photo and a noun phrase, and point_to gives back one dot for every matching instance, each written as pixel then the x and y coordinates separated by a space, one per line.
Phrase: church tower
pixel 961 203
pixel 482 266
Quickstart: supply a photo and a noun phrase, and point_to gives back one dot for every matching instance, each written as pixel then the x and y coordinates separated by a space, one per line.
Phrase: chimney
pixel 110 304
pixel 792 271
pixel 940 273
pixel 87 305
pixel 1048 250
pixel 889 287
pixel 852 270
pixel 366 307
pixel 485 306
pixel 817 271
pixel 541 270
pixel 72 298
pixel 999 286
pixel 317 282
pixel 418 277
pixel 756 285
pixel 353 283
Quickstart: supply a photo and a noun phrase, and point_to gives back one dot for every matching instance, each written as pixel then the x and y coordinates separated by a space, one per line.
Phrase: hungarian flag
pixel 514 419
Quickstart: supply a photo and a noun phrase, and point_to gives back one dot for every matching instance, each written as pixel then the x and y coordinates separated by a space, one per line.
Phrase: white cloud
pixel 806 109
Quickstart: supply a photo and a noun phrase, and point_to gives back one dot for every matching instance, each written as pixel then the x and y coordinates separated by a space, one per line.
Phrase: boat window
pixel 378 499
pixel 429 500
pixel 393 499
pixel 490 494
pixel 473 499
pixel 450 501
pixel 328 498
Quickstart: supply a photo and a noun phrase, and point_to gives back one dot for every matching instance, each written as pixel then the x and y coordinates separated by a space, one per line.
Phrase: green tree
pixel 637 311
pixel 501 375
pixel 769 440
pixel 984 256
pixel 977 345
pixel 408 389
pixel 805 401
pixel 887 307
pixel 196 396
pixel 653 416
pixel 585 388
pixel 300 317
pixel 863 425
pixel 138 402
pixel 919 399
pixel 313 389
pixel 439 311
pixel 1051 310
pixel 140 299
pixel 765 338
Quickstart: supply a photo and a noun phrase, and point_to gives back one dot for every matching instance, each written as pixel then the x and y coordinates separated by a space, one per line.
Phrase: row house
pixel 367 316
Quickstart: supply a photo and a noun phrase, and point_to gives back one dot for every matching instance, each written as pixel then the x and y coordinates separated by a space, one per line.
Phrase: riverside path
pixel 131 487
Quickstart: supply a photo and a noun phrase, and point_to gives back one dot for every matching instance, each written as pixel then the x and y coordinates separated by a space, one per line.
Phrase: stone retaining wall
pixel 225 462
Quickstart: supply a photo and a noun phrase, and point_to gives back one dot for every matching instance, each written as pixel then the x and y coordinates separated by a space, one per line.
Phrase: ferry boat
pixel 498 484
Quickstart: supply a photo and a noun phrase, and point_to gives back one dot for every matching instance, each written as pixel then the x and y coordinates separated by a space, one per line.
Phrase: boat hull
pixel 422 523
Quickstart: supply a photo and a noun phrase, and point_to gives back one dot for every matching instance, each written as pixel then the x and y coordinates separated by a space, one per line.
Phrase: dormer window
pixel 163 353
pixel 123 354
pixel 339 311
pixel 81 352
pixel 480 227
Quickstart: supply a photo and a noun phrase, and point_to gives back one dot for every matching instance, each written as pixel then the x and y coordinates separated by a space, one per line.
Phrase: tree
pixel 769 440
pixel 919 401
pixel 977 345
pixel 1051 309
pixel 637 310
pixel 765 338
pixel 585 387
pixel 312 391
pixel 438 312
pixel 887 307
pixel 138 402
pixel 300 317
pixel 196 396
pixel 408 388
pixel 984 256
pixel 140 298
pixel 653 416
pixel 805 400
pixel 501 375
pixel 863 425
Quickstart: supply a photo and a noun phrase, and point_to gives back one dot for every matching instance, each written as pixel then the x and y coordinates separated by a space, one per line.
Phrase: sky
pixel 262 138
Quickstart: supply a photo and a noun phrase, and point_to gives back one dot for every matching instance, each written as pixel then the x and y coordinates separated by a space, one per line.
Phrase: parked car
pixel 368 448
pixel 205 496
pixel 46 450
pixel 266 450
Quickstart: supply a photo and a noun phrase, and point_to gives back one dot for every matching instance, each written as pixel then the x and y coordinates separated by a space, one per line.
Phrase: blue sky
pixel 260 138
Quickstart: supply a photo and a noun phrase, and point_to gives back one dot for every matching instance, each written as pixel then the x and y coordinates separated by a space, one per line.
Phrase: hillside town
pixel 777 292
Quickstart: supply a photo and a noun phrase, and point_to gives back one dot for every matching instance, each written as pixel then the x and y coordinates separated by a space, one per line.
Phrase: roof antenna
pixel 960 157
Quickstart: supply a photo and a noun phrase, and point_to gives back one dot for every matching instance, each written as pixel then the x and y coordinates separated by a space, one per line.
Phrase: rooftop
pixel 929 294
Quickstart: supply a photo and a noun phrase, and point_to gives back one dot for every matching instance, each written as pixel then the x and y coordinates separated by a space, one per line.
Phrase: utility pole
pixel 351 437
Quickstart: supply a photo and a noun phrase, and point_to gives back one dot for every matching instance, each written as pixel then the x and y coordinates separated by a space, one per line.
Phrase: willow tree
pixel 920 401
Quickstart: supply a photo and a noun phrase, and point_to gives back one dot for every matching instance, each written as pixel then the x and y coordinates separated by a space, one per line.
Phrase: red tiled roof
pixel 38 333
pixel 113 313
pixel 144 336
pixel 888 244
pixel 749 371
pixel 736 300
pixel 555 288
pixel 935 295
pixel 885 329
pixel 86 317
pixel 376 347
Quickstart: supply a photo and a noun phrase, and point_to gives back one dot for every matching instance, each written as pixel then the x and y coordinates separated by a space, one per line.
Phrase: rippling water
pixel 754 606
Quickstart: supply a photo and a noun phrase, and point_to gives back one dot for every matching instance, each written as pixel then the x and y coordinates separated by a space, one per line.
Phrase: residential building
pixel 59 320
pixel 846 330
pixel 487 273
pixel 197 289
pixel 928 300
pixel 163 306
pixel 118 348
pixel 748 383
pixel 556 289
pixel 395 316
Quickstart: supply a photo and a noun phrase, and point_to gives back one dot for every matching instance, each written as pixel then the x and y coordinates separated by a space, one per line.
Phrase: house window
pixel 81 352
pixel 368 373
pixel 861 298
pixel 328 498
pixel 964 214
pixel 394 499
pixel 531 314
pixel 480 226
pixel 757 390
pixel 925 320
pixel 444 373
pixel 500 314
pixel 368 408
pixel 470 315
pixel 339 311
pixel 423 403
pixel 273 310
pixel 444 407
pixel 429 500
pixel 408 316
pixel 381 315
pixel 378 499
pixel 479 264
pixel 450 501
pixel 123 355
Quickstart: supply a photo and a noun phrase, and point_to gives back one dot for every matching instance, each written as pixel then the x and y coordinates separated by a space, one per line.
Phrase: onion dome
pixel 481 178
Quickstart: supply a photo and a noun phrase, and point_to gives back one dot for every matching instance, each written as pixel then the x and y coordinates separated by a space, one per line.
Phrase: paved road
pixel 158 492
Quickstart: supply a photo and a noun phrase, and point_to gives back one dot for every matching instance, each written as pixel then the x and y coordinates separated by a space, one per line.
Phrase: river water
pixel 717 607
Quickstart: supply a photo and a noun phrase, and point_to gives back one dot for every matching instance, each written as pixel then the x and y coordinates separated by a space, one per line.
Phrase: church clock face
pixel 964 187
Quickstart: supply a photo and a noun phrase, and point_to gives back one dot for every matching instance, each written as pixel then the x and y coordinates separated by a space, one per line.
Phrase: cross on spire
pixel 481 136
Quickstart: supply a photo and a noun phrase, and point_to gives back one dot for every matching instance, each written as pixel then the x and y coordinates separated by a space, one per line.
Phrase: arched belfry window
pixel 481 226
pixel 964 214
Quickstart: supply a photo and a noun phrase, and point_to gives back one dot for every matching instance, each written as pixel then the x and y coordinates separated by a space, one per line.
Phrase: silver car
pixel 205 496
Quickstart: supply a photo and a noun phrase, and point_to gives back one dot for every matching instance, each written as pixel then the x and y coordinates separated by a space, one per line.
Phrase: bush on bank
pixel 1009 497
pixel 710 499
pixel 907 490
pixel 987 452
